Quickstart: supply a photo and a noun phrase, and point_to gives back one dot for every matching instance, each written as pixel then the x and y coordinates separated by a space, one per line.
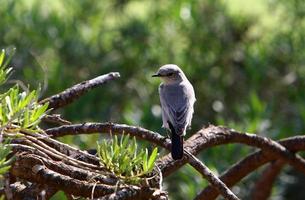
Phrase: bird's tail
pixel 177 146
pixel 177 143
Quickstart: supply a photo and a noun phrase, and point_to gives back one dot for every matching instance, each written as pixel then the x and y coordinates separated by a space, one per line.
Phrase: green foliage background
pixel 244 58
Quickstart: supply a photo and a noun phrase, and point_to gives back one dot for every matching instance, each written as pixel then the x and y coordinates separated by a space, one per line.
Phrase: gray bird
pixel 177 99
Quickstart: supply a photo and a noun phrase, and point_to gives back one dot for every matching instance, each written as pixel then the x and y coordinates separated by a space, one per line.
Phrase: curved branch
pixel 263 186
pixel 74 92
pixel 90 128
pixel 249 164
pixel 213 135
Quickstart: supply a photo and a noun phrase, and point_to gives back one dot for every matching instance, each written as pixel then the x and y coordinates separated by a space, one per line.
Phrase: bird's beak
pixel 156 75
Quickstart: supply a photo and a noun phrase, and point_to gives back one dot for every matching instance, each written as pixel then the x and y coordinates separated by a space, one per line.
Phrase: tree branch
pixel 207 137
pixel 90 128
pixel 39 173
pixel 33 192
pixel 208 174
pixel 214 135
pixel 70 94
pixel 249 164
pixel 263 186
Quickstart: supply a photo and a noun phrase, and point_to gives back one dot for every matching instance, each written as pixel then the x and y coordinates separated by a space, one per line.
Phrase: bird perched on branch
pixel 177 99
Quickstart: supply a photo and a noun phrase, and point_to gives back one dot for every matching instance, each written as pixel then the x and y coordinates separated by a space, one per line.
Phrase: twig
pixel 55 119
pixel 68 170
pixel 63 148
pixel 70 94
pixel 208 174
pixel 58 155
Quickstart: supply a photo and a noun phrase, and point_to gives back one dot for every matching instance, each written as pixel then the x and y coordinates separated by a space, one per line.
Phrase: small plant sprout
pixel 123 158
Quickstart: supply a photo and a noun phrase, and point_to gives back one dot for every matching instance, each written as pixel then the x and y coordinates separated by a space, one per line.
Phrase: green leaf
pixel 40 111
pixel 2 55
pixel 24 101
pixel 11 52
pixel 152 159
pixel 9 106
pixel 4 169
pixel 145 163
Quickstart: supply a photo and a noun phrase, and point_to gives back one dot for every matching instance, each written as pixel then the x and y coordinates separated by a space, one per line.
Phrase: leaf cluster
pixel 18 111
pixel 123 158
pixel 17 107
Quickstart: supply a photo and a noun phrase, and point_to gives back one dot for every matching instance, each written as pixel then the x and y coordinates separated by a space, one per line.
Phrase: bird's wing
pixel 177 105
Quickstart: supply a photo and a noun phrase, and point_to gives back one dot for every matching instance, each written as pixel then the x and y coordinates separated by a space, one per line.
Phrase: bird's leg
pixel 168 134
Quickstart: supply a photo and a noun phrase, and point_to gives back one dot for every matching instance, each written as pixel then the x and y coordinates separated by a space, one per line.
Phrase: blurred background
pixel 244 58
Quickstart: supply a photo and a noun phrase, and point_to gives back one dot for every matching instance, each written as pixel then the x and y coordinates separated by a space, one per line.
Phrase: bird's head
pixel 170 74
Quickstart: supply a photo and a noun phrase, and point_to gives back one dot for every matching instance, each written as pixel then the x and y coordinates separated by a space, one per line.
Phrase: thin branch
pixel 68 170
pixel 208 174
pixel 64 149
pixel 74 92
pixel 55 119
pixel 90 128
pixel 263 186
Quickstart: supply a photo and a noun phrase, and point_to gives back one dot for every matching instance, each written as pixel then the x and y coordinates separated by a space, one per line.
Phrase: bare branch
pixel 55 119
pixel 70 94
pixel 88 128
pixel 39 173
pixel 32 192
pixel 208 174
pixel 214 135
pixel 249 164
pixel 263 186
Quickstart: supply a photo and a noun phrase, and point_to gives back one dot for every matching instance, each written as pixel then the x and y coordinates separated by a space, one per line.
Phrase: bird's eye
pixel 170 74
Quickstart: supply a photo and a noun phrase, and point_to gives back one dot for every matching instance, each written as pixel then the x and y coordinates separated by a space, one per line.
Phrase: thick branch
pixel 39 173
pixel 33 192
pixel 71 171
pixel 70 94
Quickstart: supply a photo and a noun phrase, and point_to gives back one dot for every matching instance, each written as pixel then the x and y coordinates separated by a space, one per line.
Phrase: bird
pixel 177 98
